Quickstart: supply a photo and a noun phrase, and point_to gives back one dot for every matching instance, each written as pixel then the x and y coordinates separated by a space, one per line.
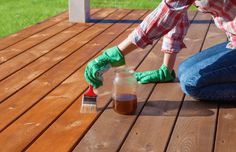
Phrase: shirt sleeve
pixel 173 40
pixel 229 28
pixel 162 20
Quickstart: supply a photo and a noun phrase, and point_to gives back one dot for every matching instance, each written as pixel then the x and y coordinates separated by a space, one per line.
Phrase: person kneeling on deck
pixel 208 75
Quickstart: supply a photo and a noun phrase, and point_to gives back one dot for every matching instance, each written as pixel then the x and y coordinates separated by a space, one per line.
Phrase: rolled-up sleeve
pixel 173 40
pixel 166 19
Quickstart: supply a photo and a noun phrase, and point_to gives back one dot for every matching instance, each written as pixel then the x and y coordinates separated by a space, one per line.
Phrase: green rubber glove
pixel 161 75
pixel 110 58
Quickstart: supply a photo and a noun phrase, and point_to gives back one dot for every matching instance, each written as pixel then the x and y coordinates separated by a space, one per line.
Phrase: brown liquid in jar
pixel 125 104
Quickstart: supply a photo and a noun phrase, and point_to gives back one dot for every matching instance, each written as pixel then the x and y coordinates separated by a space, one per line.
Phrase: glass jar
pixel 124 91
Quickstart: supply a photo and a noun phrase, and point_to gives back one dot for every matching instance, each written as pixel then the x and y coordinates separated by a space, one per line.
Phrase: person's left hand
pixel 161 75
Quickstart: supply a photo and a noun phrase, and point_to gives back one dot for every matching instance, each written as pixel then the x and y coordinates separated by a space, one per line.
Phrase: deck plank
pixel 33 40
pixel 98 138
pixel 57 54
pixel 195 128
pixel 72 124
pixel 34 70
pixel 14 64
pixel 21 35
pixel 226 129
pixel 153 128
pixel 57 97
pixel 43 48
pixel 42 84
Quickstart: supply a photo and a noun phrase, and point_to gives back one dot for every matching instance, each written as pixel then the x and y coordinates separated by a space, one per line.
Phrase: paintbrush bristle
pixel 89 101
pixel 88 105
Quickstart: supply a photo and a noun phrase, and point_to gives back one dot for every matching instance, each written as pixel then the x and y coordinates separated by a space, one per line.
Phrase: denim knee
pixel 192 91
pixel 188 81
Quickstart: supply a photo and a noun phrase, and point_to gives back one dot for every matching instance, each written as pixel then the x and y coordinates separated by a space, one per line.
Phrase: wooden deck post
pixel 79 10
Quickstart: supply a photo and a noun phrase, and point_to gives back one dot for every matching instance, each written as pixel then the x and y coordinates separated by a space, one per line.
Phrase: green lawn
pixel 138 4
pixel 18 14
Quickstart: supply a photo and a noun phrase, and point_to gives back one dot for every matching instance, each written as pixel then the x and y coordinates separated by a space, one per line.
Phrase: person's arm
pixel 173 41
pixel 155 25
pixel 169 19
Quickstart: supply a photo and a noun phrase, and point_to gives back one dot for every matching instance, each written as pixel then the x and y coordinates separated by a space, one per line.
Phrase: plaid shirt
pixel 170 20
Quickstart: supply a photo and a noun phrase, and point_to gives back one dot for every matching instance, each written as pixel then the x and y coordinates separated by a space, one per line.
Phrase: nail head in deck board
pixel 14 38
pixel 34 40
pixel 107 39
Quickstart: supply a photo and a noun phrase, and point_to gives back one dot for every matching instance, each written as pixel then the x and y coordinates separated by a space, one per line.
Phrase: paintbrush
pixel 89 101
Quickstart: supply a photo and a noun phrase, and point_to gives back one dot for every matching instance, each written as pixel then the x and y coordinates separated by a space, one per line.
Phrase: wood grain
pixel 98 137
pixel 27 100
pixel 11 66
pixel 61 98
pixel 64 127
pixel 21 35
pixel 21 78
pixel 226 129
pixel 195 127
pixel 153 128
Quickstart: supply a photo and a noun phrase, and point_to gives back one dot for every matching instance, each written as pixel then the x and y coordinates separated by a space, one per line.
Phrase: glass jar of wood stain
pixel 124 92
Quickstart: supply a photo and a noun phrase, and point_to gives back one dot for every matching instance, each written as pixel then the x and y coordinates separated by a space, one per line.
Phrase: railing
pixel 79 10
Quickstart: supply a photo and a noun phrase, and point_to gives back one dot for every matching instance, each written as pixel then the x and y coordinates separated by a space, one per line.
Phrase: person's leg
pixel 200 56
pixel 210 74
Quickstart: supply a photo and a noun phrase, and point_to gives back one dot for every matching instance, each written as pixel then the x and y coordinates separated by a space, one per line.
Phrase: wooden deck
pixel 41 83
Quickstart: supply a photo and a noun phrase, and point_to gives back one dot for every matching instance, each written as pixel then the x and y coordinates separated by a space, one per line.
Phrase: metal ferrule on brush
pixel 89 102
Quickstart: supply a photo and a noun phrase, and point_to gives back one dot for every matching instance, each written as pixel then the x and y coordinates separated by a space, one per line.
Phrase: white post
pixel 79 10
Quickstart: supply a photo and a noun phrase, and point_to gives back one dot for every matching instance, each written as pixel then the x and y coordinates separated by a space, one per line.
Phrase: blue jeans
pixel 210 74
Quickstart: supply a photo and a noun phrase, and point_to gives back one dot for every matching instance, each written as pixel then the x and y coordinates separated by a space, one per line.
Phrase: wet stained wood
pixel 195 127
pixel 72 63
pixel 111 141
pixel 72 116
pixel 37 68
pixel 42 83
pixel 21 35
pixel 37 45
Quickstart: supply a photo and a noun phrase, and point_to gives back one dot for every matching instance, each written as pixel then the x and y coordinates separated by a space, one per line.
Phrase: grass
pixel 18 14
pixel 137 4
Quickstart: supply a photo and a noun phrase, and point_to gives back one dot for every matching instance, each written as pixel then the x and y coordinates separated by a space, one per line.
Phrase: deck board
pixel 33 71
pixel 161 111
pixel 42 82
pixel 72 115
pixel 50 80
pixel 12 57
pixel 108 140
pixel 21 35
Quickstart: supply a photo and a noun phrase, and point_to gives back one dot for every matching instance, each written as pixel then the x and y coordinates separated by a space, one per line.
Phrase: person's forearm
pixel 126 46
pixel 169 60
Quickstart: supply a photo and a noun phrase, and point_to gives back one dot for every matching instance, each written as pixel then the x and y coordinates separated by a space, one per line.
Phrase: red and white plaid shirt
pixel 170 20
